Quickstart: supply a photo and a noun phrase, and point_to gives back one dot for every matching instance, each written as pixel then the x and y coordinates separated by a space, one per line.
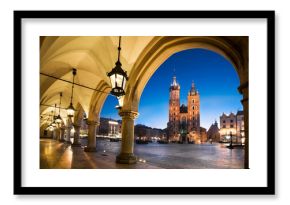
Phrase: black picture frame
pixel 269 189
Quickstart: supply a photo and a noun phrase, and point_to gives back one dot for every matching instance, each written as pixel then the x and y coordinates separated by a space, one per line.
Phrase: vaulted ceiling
pixel 92 56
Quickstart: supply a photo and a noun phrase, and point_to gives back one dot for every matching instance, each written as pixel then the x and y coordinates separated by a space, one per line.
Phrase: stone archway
pixel 234 49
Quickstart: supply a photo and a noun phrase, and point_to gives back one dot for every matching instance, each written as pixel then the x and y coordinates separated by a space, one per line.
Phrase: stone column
pixel 127 149
pixel 68 128
pixel 244 90
pixel 77 142
pixel 92 127
pixel 54 134
pixel 62 130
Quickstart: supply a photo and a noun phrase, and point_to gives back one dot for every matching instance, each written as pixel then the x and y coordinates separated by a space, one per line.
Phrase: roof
pixel 174 84
pixel 240 112
pixel 183 109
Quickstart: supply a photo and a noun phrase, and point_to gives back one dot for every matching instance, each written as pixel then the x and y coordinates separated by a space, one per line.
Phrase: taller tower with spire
pixel 174 109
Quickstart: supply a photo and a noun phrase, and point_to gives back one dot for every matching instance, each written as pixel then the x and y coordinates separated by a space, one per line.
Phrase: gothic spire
pixel 192 89
pixel 174 82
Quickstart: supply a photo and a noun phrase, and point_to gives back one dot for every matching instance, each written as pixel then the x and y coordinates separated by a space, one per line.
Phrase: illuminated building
pixel 184 121
pixel 109 127
pixel 213 133
pixel 232 124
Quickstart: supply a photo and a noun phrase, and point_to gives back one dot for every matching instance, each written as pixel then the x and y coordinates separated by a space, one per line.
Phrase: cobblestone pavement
pixel 59 155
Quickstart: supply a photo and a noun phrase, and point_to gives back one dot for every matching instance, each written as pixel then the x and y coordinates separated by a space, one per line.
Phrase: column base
pixel 90 149
pixel 68 142
pixel 126 158
pixel 76 144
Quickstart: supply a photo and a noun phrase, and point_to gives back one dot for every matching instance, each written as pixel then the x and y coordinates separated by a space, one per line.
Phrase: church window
pixel 193 107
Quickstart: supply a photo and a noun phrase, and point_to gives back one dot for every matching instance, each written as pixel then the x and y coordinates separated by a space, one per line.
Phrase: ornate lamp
pixel 71 110
pixel 54 117
pixel 118 76
pixel 50 126
pixel 120 101
pixel 58 118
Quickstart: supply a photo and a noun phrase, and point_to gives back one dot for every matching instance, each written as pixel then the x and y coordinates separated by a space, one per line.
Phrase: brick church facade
pixel 184 121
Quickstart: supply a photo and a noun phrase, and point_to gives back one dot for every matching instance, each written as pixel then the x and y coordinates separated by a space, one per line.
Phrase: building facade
pixel 232 126
pixel 203 135
pixel 146 133
pixel 109 127
pixel 213 133
pixel 184 121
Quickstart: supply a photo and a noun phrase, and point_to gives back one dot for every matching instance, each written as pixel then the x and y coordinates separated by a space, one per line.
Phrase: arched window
pixel 193 107
pixel 183 119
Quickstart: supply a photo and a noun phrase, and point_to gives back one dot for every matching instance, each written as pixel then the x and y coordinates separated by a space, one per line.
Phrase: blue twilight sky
pixel 214 77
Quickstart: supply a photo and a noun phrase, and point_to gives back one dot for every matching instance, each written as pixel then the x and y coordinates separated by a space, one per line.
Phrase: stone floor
pixel 57 155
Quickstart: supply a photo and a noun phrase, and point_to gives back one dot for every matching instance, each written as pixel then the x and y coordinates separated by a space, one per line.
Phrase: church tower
pixel 193 115
pixel 174 110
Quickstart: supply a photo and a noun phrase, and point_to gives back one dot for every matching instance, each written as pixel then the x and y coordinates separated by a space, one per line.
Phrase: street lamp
pixel 71 110
pixel 58 118
pixel 118 76
pixel 53 124
pixel 231 142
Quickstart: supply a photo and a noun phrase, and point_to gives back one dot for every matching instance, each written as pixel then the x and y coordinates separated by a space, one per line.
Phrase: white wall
pixel 282 99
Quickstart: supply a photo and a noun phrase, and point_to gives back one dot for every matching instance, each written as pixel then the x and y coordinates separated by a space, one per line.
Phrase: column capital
pixel 92 122
pixel 76 126
pixel 243 87
pixel 244 100
pixel 128 114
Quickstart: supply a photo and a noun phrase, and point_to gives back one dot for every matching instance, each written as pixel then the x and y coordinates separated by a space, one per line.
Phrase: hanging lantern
pixel 50 128
pixel 120 101
pixel 53 123
pixel 58 118
pixel 118 76
pixel 71 110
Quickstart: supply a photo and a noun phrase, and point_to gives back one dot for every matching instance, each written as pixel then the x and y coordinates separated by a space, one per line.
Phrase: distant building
pixel 109 127
pixel 240 127
pixel 184 121
pixel 148 133
pixel 203 135
pixel 213 133
pixel 232 124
